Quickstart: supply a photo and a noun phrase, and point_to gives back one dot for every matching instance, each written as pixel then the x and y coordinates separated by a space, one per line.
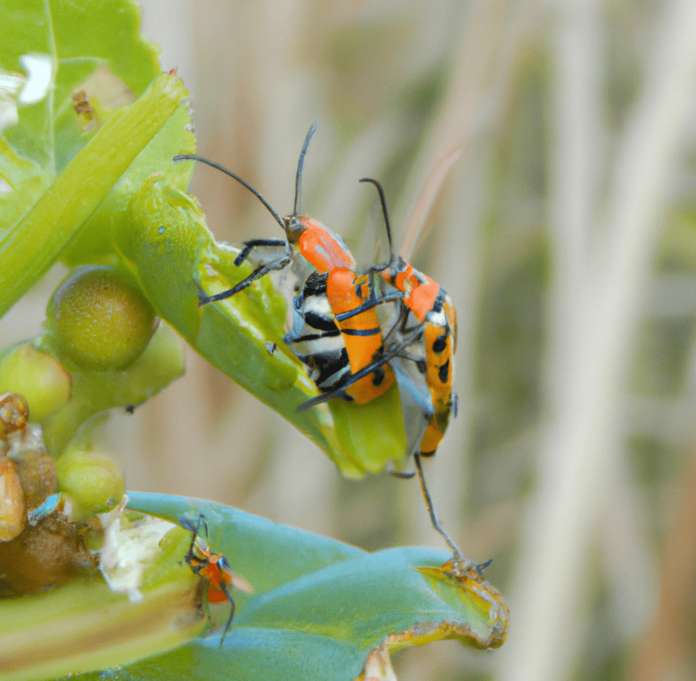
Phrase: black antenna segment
pixel 300 166
pixel 194 157
pixel 385 212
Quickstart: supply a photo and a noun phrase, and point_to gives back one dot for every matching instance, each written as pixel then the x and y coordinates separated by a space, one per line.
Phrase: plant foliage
pixel 89 127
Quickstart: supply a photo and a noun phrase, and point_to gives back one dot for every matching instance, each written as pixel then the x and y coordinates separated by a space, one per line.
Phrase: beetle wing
pixel 416 403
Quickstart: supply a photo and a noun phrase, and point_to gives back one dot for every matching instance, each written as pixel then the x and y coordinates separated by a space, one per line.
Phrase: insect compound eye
pixel 293 228
pixel 223 564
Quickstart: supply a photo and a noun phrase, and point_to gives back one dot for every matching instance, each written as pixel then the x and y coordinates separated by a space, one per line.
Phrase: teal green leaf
pixel 255 654
pixel 273 553
pixel 319 608
pixel 324 622
pixel 369 597
pixel 304 582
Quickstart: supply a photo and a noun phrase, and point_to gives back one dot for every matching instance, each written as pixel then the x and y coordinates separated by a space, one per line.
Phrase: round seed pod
pixel 41 381
pixel 98 320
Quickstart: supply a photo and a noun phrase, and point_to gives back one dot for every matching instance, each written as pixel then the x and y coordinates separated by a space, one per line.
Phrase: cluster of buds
pixel 102 348
pixel 27 473
pixel 44 503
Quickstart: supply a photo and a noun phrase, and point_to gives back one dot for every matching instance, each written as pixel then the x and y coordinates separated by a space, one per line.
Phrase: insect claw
pixel 403 475
pixel 202 297
pixel 482 566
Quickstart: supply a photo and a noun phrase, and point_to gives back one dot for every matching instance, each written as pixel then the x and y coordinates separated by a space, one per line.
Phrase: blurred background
pixel 566 237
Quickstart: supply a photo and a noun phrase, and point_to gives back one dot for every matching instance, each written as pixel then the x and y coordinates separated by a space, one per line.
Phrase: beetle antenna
pixel 300 166
pixel 194 157
pixel 426 200
pixel 383 201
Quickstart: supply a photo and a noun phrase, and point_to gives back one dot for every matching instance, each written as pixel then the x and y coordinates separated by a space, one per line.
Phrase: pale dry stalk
pixel 584 430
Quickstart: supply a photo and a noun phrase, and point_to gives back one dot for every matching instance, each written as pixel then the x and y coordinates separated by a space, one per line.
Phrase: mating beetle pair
pixel 337 332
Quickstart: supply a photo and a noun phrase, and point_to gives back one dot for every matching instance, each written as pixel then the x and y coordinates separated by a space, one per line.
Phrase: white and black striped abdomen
pixel 315 338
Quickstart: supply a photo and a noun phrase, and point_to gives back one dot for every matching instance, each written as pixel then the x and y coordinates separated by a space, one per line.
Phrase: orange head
pixel 320 247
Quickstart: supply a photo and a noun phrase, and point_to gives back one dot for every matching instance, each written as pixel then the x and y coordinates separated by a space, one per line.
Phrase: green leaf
pixel 95 240
pixel 304 582
pixel 370 597
pixel 31 246
pixel 274 554
pixel 173 254
pixel 134 204
pixel 92 48
pixel 255 654
pixel 319 609
pixel 321 616
pixel 73 38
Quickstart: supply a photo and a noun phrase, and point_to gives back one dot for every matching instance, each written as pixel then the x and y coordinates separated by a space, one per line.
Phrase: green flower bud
pixel 99 321
pixel 93 481
pixel 39 378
